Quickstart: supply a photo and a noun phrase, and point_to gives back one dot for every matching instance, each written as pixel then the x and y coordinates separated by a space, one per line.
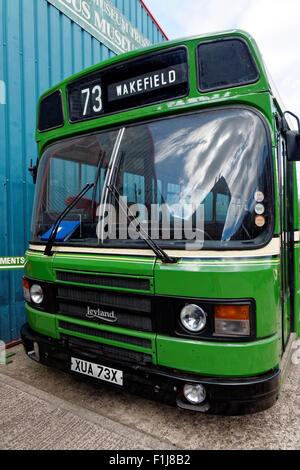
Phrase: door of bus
pixel 286 187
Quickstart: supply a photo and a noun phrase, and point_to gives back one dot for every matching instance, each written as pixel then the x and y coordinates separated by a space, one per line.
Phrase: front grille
pixel 105 281
pixel 123 320
pixel 108 299
pixel 109 352
pixel 141 342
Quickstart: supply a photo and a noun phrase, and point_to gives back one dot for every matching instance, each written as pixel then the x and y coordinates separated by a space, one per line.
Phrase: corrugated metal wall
pixel 39 47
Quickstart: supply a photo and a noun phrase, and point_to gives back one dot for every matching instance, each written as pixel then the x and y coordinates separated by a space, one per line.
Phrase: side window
pixel 134 188
pixel 173 195
pixel 175 192
pixel 64 180
pixel 69 178
pixel 209 207
pixel 222 205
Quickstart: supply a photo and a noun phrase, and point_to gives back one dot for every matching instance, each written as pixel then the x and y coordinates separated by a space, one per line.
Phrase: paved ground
pixel 43 408
pixel 31 418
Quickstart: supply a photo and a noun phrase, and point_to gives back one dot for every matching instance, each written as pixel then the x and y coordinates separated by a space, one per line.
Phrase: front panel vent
pixel 120 319
pixel 141 342
pixel 108 299
pixel 131 283
pixel 80 346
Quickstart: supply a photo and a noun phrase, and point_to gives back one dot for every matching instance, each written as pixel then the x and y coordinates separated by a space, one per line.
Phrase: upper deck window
pixel 51 115
pixel 225 63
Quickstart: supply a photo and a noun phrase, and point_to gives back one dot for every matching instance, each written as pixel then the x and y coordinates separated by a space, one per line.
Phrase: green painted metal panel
pixel 121 331
pixel 38 267
pixel 43 323
pixel 221 279
pixel 220 359
pixel 113 264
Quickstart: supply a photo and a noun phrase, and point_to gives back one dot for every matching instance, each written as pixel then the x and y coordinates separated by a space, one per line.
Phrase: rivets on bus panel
pixel 259 209
pixel 260 221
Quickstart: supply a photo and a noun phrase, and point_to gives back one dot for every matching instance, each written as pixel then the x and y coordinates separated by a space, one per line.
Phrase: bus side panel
pixel 297 290
pixel 297 248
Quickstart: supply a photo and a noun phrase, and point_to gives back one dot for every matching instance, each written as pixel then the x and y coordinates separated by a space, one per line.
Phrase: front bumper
pixel 225 396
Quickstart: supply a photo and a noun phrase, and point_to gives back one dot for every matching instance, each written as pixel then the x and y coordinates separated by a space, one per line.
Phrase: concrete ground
pixel 43 408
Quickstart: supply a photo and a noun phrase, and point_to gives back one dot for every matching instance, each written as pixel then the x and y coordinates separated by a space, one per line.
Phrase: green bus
pixel 164 259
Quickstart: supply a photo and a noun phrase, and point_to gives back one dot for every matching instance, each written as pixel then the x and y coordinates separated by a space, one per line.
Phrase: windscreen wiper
pixel 51 239
pixel 101 160
pixel 160 253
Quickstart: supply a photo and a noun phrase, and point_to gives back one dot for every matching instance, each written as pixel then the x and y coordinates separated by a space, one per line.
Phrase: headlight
pixel 195 394
pixel 36 294
pixel 193 318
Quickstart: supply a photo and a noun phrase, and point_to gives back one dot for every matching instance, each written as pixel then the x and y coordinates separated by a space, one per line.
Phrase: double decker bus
pixel 164 259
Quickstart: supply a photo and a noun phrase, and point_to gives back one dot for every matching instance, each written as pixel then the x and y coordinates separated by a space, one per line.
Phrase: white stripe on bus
pixel 272 249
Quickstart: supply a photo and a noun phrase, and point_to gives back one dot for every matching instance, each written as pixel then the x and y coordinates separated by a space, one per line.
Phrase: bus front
pixel 154 264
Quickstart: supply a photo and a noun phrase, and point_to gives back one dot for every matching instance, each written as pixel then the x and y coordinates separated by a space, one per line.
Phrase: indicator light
pixel 259 196
pixel 232 320
pixel 26 288
pixel 260 221
pixel 260 209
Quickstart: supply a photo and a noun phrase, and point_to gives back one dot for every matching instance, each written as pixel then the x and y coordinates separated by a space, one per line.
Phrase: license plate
pixel 97 371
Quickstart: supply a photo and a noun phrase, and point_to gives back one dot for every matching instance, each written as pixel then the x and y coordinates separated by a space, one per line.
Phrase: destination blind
pixel 150 79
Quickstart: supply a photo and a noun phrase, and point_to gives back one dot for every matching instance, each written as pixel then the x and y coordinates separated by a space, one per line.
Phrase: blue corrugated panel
pixel 138 16
pixel 39 47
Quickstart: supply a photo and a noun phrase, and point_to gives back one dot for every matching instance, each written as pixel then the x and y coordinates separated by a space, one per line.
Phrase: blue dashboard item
pixel 65 231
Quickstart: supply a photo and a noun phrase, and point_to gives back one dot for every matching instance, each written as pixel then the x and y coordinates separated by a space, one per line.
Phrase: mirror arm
pixel 285 127
pixel 33 170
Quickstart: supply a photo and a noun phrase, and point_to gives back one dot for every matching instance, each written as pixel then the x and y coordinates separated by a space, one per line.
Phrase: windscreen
pixel 64 170
pixel 204 177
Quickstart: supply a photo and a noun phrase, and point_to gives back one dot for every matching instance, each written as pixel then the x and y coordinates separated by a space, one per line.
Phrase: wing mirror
pixel 292 140
pixel 33 170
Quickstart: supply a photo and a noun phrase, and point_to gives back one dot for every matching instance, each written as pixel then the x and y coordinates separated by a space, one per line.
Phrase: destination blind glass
pixel 139 82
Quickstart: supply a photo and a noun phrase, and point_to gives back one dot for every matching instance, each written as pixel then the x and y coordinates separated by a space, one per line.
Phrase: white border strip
pixel 272 249
pixel 8 267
